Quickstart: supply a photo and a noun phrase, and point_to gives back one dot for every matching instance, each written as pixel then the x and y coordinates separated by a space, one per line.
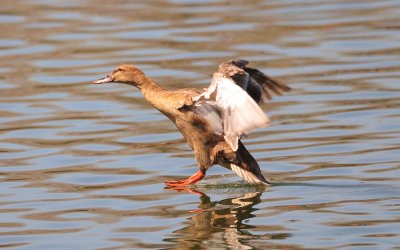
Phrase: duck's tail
pixel 247 167
pixel 249 176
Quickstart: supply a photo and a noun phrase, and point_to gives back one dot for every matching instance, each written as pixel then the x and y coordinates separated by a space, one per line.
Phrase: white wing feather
pixel 240 113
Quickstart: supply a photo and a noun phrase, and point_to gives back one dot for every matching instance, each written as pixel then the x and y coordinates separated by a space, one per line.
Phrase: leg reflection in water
pixel 220 224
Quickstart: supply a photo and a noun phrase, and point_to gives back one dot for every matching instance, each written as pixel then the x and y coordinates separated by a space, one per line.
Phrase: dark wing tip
pixel 268 84
pixel 240 63
pixel 259 84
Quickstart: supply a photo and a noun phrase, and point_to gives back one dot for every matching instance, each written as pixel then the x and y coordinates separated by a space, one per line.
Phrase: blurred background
pixel 82 166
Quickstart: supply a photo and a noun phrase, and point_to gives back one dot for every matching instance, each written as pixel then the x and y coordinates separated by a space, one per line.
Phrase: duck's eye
pixel 118 70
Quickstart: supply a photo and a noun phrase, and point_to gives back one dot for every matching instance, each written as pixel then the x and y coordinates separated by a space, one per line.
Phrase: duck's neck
pixel 149 86
pixel 153 93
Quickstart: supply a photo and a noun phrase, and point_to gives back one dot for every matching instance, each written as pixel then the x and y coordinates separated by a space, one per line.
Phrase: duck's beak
pixel 106 79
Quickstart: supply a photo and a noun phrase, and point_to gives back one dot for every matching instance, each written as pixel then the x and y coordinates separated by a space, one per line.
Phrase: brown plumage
pixel 212 121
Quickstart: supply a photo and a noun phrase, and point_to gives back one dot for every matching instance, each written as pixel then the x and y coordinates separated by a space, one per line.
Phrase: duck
pixel 212 120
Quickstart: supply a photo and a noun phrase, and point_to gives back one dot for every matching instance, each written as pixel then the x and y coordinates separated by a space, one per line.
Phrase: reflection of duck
pixel 212 121
pixel 220 223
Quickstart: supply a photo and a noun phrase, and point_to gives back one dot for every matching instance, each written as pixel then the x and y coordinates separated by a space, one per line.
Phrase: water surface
pixel 83 166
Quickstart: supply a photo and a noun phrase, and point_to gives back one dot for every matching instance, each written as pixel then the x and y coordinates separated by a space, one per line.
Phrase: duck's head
pixel 125 73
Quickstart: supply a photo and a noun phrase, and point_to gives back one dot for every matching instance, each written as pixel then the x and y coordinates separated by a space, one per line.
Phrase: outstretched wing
pixel 258 85
pixel 240 113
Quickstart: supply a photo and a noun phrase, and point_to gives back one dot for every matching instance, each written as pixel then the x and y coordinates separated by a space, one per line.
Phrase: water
pixel 83 166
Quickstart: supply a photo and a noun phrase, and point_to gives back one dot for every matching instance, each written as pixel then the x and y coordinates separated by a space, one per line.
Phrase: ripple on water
pixel 6 19
pixel 82 165
pixel 27 50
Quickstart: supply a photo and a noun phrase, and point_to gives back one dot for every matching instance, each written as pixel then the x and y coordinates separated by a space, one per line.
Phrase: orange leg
pixel 191 180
